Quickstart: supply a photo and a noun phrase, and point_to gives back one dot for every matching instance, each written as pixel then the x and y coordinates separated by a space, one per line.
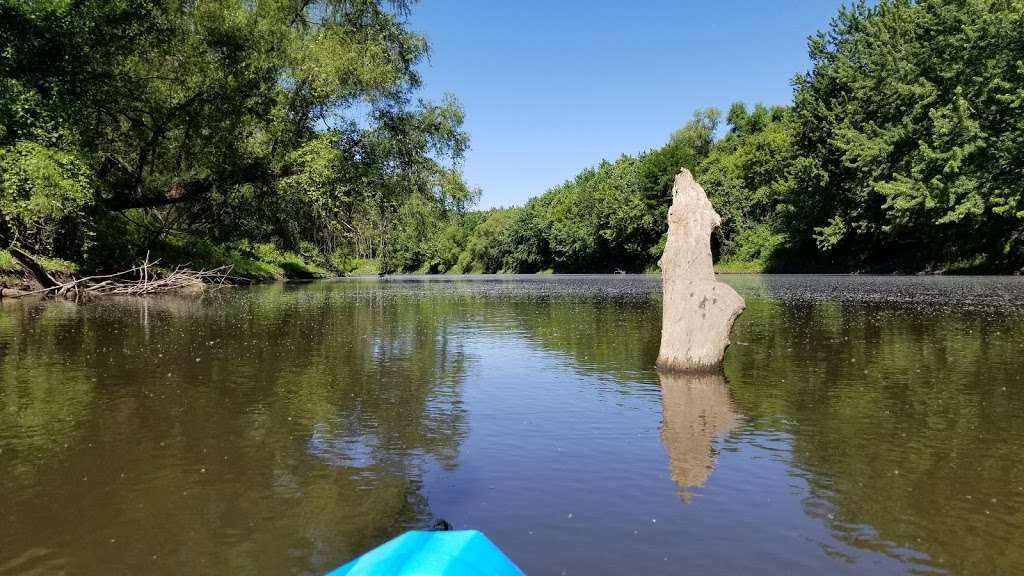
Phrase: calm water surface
pixel 862 426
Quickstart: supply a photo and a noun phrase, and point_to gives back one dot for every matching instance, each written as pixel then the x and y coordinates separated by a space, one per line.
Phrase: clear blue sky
pixel 553 86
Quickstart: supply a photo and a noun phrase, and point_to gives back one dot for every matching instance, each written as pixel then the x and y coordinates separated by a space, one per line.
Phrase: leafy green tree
pixel 485 248
pixel 43 193
pixel 746 175
pixel 275 120
pixel 911 137
pixel 686 147
pixel 526 244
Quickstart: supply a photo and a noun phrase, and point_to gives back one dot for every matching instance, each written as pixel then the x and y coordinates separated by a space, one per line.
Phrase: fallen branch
pixel 13 293
pixel 140 280
pixel 32 267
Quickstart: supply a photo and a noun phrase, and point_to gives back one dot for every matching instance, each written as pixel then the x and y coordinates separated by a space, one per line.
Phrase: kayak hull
pixel 421 553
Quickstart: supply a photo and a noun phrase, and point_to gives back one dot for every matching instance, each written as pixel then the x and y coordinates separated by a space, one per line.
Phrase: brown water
pixel 863 426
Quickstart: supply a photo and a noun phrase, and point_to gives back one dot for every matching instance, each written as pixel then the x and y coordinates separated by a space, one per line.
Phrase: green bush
pixel 7 262
pixel 257 261
pixel 342 264
pixel 44 194
pixel 364 266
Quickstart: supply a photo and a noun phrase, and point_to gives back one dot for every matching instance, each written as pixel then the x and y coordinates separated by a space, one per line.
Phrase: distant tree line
pixel 903 150
pixel 289 131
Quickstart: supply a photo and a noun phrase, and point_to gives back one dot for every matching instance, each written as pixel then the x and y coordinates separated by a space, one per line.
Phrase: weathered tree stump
pixel 698 311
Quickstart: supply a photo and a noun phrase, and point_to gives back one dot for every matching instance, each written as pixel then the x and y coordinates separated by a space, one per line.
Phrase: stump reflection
pixel 696 410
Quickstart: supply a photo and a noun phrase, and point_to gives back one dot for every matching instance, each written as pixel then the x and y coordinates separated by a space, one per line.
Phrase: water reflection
pixel 903 421
pixel 284 429
pixel 696 411
pixel 271 432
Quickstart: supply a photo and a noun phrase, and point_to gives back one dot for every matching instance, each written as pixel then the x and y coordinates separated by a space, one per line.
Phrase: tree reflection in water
pixel 265 431
pixel 284 429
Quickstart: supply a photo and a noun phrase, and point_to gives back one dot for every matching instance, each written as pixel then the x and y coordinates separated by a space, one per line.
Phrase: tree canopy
pixel 911 137
pixel 275 120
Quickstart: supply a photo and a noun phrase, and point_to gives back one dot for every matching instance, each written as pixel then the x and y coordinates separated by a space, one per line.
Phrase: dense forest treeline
pixel 903 150
pixel 285 138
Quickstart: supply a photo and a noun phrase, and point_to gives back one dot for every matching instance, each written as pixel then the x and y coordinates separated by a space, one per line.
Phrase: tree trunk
pixel 33 267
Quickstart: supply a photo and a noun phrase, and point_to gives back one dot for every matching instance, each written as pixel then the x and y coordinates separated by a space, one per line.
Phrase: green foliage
pixel 359 266
pixel 686 147
pixel 270 122
pixel 912 136
pixel 257 261
pixel 487 243
pixel 526 246
pixel 44 193
pixel 602 219
pixel 118 239
pixel 446 249
pixel 12 273
pixel 754 245
pixel 609 217
pixel 740 267
pixel 7 262
pixel 746 176
pixel 58 265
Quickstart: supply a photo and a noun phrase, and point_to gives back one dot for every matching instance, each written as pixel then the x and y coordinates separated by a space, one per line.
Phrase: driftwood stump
pixel 698 311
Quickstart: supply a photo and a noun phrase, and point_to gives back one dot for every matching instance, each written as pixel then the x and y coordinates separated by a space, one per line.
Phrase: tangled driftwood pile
pixel 141 280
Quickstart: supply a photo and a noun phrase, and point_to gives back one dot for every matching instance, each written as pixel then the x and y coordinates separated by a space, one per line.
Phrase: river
pixel 863 425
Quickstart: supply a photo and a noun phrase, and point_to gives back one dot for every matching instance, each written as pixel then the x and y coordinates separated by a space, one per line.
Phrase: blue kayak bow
pixel 419 553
